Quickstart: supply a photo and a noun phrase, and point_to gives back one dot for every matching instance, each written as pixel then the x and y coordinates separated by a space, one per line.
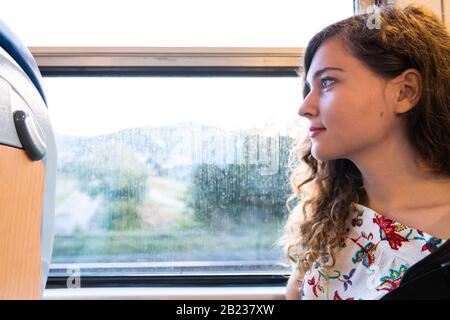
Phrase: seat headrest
pixel 22 56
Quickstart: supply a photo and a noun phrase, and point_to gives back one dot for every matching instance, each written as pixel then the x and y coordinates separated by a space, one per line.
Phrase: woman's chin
pixel 321 155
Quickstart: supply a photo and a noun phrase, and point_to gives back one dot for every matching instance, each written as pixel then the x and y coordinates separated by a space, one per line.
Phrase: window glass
pixel 169 23
pixel 171 172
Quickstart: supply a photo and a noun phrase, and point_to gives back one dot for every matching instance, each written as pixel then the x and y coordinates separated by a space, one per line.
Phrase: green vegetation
pixel 115 174
pixel 233 210
pixel 194 243
pixel 227 193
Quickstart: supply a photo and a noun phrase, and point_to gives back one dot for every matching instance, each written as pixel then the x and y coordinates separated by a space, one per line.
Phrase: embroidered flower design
pixel 315 286
pixel 338 297
pixel 388 231
pixel 347 278
pixel 367 237
pixel 431 244
pixel 391 282
pixel 358 221
pixel 366 255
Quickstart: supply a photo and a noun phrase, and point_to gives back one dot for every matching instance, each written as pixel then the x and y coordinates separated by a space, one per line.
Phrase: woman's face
pixel 349 101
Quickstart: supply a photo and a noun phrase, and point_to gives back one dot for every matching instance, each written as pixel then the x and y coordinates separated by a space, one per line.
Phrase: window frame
pixel 171 61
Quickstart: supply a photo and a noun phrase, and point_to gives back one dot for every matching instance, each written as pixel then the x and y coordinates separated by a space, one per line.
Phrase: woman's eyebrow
pixel 319 72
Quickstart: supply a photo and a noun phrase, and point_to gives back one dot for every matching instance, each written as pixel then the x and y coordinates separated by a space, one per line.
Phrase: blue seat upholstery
pixel 20 53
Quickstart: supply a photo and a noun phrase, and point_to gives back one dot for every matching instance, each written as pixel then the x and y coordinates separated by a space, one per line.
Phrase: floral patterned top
pixel 376 254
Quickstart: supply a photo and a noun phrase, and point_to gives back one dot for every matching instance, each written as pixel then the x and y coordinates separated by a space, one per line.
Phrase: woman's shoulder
pixel 436 226
pixel 389 235
pixel 375 255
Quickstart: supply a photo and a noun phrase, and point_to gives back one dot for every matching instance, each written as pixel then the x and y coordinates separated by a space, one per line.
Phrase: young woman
pixel 373 183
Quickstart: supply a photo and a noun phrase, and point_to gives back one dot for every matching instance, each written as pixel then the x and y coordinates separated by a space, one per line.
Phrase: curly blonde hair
pixel 323 191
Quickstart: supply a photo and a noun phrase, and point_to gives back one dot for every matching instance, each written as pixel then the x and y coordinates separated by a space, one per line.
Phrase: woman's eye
pixel 326 82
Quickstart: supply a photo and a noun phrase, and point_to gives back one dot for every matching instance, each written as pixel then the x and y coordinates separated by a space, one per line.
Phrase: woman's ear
pixel 408 87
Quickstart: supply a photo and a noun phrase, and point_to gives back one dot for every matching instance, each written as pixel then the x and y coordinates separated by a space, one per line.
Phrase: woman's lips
pixel 314 132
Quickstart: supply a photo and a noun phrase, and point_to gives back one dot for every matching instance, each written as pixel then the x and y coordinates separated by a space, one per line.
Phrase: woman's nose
pixel 308 107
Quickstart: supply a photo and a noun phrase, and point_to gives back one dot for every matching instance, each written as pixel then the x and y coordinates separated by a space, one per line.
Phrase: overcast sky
pixel 90 106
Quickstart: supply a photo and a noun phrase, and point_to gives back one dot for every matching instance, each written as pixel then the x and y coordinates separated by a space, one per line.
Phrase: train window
pixel 172 174
pixel 169 23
